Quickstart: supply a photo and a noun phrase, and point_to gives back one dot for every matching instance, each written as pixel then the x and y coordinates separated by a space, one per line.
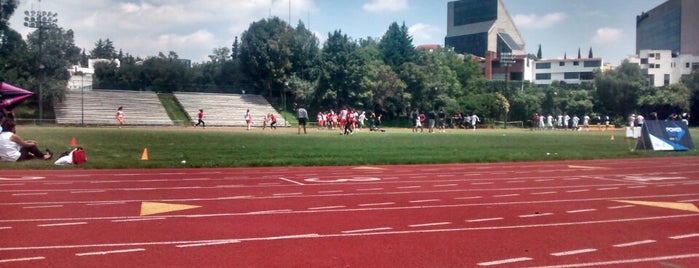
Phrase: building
pixel 569 71
pixel 671 26
pixel 477 26
pixel 485 30
pixel 663 67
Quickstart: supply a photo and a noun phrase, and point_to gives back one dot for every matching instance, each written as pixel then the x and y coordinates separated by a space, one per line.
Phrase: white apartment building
pixel 570 71
pixel 662 68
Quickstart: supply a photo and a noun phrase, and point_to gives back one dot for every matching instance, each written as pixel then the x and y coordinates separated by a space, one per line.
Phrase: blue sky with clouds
pixel 194 28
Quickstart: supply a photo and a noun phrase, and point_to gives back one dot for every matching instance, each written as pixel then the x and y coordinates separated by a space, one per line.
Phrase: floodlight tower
pixel 40 20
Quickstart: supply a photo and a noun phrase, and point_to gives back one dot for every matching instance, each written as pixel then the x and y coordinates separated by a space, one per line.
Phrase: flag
pixel 11 96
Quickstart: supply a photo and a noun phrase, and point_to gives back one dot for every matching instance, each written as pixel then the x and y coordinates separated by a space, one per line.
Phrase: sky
pixel 194 28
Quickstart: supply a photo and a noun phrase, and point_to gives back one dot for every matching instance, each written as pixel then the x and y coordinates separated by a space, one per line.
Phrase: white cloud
pixel 424 32
pixel 377 6
pixel 539 22
pixel 607 35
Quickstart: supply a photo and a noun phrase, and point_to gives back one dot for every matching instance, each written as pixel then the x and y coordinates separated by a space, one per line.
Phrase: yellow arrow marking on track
pixel 150 208
pixel 671 205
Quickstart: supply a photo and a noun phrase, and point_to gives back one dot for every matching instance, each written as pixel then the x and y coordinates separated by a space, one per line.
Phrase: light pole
pixel 286 85
pixel 40 20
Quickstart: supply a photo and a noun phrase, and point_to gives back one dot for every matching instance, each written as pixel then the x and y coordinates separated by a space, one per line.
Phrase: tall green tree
pixel 334 83
pixel 396 46
pixel 266 53
pixel 104 49
pixel 617 90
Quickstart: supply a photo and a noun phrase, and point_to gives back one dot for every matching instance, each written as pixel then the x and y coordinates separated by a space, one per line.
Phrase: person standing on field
pixel 302 116
pixel 120 116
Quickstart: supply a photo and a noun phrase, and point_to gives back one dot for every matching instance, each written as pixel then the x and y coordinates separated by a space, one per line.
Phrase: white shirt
pixel 9 150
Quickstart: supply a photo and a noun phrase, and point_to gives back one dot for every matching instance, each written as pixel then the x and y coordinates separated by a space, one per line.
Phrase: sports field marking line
pixel 467 197
pixel 482 183
pixel 367 230
pixel 109 252
pixel 292 181
pixel 13 184
pixel 214 243
pixel 543 180
pixel 424 201
pixel 87 192
pixel 684 236
pixel 23 259
pixel 49 206
pixel 28 194
pixel 635 243
pixel 408 187
pixel 535 215
pixel 581 210
pixel 515 181
pixel 429 224
pixel 331 192
pixel 485 219
pixel 58 183
pixel 420 231
pixel 446 185
pixel 619 207
pixel 505 195
pixel 328 207
pixel 637 187
pixel 5 227
pixel 287 194
pixel 377 204
pixel 505 261
pixel 607 189
pixel 573 252
pixel 61 224
pixel 688 201
pixel 369 189
pixel 263 212
pixel 578 191
pixel 141 219
pixel 105 203
pixel 624 261
pixel 542 193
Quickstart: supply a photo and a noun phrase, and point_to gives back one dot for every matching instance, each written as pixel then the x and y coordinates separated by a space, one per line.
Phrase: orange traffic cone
pixel 73 142
pixel 144 156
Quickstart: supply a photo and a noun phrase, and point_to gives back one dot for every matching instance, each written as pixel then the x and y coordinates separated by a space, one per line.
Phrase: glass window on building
pixel 576 63
pixel 543 76
pixel 644 60
pixel 563 63
pixel 592 64
pixel 651 79
pixel 666 81
pixel 571 75
pixel 543 65
pixel 587 76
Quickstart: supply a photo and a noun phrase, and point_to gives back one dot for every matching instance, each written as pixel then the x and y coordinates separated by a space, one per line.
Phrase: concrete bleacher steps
pixel 227 109
pixel 98 107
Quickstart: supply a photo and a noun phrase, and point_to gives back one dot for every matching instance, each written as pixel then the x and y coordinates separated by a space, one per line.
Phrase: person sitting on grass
pixel 13 148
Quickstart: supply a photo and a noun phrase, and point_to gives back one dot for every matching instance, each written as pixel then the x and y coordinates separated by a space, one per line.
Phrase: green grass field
pixel 110 147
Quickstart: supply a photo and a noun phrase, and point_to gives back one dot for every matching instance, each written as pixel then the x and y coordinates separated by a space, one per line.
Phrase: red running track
pixel 616 213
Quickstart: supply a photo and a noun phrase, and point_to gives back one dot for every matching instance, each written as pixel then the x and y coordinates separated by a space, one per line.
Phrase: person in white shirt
pixel 13 148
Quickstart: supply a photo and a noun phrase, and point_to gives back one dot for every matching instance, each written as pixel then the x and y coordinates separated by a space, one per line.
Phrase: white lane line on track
pixel 286 194
pixel 607 189
pixel 688 201
pixel 140 219
pixel 328 207
pixel 267 212
pixel 291 181
pixel 581 210
pixel 62 224
pixel 367 230
pixel 369 189
pixel 482 183
pixel 109 252
pixel 542 193
pixel 12 184
pixel 446 185
pixel 578 191
pixel 28 194
pixel 505 261
pixel 635 243
pixel 408 187
pixel 48 206
pixel 23 259
pixel 485 219
pixel 535 215
pixel 622 206
pixel 573 252
pixel 425 201
pixel 105 203
pixel 467 197
pixel 506 195
pixel 685 236
pixel 214 243
pixel 87 192
pixel 625 261
pixel 377 204
pixel 5 227
pixel 429 224
pixel 543 180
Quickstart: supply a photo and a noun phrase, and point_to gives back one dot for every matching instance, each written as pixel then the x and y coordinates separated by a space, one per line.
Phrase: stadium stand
pixel 227 109
pixel 98 107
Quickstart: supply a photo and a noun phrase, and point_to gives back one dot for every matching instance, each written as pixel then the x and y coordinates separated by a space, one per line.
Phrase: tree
pixel 589 54
pixel 266 54
pixel 617 90
pixel 396 46
pixel 104 49
pixel 333 85
pixel 538 53
pixel 305 53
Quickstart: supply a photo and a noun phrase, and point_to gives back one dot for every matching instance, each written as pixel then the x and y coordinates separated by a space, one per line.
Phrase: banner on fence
pixel 664 136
